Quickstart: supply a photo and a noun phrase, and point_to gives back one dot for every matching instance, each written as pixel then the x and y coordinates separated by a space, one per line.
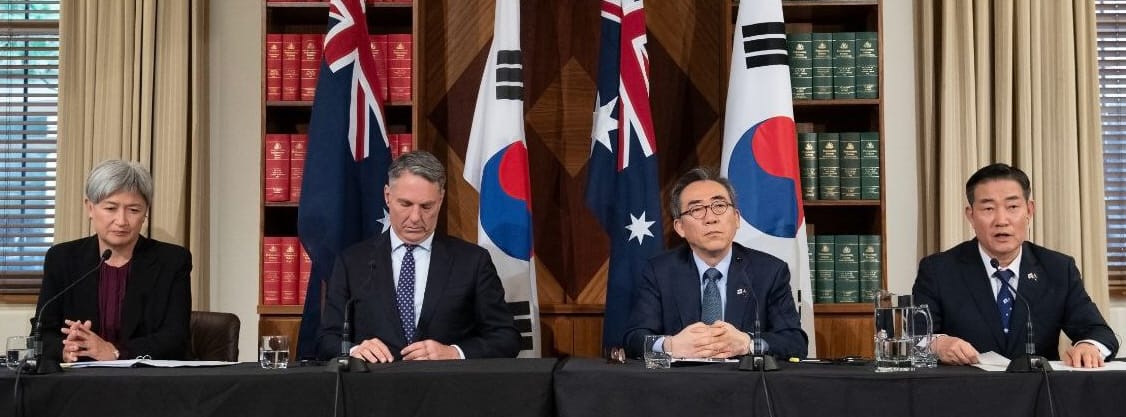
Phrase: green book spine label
pixel 807 165
pixel 801 65
pixel 870 272
pixel 844 65
pixel 850 166
pixel 870 165
pixel 823 291
pixel 828 166
pixel 867 65
pixel 822 66
pixel 847 269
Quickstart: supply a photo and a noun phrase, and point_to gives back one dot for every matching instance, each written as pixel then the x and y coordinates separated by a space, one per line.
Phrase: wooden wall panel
pixel 687 49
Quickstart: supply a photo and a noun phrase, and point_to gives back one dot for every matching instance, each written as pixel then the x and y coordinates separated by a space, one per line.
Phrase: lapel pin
pixel 741 291
pixel 1032 276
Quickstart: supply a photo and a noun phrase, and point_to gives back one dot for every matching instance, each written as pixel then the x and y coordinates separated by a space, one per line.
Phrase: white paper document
pixel 152 363
pixel 994 362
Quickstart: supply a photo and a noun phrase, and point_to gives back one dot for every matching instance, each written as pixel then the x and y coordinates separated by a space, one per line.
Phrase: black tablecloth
pixel 586 387
pixel 482 387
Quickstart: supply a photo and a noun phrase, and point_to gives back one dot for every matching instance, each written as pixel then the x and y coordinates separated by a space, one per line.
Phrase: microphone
pixel 346 332
pixel 38 364
pixel 1030 362
pixel 344 362
pixel 756 360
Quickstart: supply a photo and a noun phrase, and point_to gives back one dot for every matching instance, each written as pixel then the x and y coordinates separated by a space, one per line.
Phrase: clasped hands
pixel 80 342
pixel 956 351
pixel 375 351
pixel 718 340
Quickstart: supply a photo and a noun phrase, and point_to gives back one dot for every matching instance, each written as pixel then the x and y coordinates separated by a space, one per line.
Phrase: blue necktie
pixel 711 308
pixel 1004 298
pixel 404 294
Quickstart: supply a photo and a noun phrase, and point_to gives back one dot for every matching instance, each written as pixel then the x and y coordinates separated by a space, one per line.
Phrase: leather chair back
pixel 214 336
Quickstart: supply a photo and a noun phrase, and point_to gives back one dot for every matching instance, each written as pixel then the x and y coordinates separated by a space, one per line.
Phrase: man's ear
pixel 679 228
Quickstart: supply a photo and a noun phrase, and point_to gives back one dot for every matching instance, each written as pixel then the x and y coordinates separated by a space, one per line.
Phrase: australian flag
pixel 622 187
pixel 760 150
pixel 346 160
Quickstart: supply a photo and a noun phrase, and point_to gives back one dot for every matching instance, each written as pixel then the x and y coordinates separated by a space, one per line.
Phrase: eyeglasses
pixel 698 211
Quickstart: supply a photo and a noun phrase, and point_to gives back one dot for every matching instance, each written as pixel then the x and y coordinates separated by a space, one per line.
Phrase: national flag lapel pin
pixel 1032 276
pixel 741 291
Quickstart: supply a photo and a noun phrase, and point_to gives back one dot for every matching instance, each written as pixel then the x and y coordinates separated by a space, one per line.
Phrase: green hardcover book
pixel 823 291
pixel 822 66
pixel 828 166
pixel 844 65
pixel 801 65
pixel 870 272
pixel 870 165
pixel 807 164
pixel 850 165
pixel 867 65
pixel 812 242
pixel 846 284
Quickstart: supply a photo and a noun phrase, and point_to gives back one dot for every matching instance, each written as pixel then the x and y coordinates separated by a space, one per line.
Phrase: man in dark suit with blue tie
pixel 417 294
pixel 707 296
pixel 970 288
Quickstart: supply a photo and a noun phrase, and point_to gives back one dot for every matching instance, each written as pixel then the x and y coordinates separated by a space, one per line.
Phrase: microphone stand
pixel 1030 361
pixel 38 364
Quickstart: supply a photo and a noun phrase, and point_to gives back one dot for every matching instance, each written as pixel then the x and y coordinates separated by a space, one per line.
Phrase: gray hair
pixel 114 176
pixel 421 163
pixel 695 175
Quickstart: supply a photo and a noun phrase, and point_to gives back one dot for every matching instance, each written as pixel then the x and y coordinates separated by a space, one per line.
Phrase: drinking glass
pixel 655 359
pixel 17 351
pixel 273 353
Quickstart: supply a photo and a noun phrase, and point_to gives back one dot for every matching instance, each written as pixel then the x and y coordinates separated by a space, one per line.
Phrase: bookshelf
pixel 291 116
pixel 843 328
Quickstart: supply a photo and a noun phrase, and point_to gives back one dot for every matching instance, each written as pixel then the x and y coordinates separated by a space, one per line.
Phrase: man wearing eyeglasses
pixel 707 296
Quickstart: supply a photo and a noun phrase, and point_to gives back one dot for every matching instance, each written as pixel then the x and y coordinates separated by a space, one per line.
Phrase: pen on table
pixel 799 360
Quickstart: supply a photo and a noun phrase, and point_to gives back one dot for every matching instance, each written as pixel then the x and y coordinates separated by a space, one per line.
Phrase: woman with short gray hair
pixel 137 299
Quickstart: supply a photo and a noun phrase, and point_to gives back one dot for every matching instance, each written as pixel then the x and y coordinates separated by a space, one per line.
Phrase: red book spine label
pixel 290 267
pixel 271 270
pixel 379 53
pixel 291 66
pixel 273 66
pixel 399 67
pixel 297 144
pixel 406 143
pixel 303 275
pixel 309 64
pixel 277 167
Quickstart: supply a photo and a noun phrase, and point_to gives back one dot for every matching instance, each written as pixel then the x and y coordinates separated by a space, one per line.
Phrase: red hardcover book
pixel 271 270
pixel 303 275
pixel 399 67
pixel 273 66
pixel 297 144
pixel 379 53
pixel 310 52
pixel 277 167
pixel 290 267
pixel 405 142
pixel 291 66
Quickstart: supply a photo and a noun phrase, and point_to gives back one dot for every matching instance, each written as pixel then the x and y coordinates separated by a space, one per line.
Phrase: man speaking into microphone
pixel 134 302
pixel 970 287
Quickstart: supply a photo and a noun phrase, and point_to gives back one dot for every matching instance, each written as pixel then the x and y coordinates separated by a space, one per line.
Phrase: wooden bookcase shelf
pixel 292 116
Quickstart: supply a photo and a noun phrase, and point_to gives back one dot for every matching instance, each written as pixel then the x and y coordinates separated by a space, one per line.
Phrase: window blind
pixel 29 70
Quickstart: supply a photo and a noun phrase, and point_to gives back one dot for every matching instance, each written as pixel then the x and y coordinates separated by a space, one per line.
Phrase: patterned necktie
pixel 712 306
pixel 404 294
pixel 1004 298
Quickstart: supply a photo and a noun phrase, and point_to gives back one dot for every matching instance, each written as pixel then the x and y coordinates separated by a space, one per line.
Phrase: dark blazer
pixel 667 299
pixel 463 304
pixel 956 287
pixel 155 311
